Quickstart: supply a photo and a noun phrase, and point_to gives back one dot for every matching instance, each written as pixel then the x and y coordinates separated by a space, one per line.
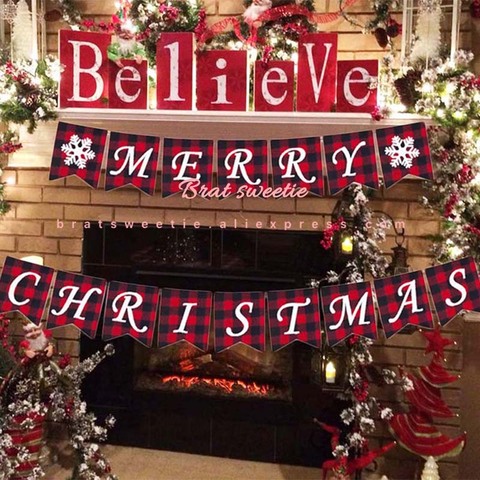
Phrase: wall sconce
pixel 344 242
pixel 399 263
pixel 329 368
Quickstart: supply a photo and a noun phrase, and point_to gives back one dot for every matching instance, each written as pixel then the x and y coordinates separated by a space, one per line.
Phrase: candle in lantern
pixel 347 245
pixel 330 373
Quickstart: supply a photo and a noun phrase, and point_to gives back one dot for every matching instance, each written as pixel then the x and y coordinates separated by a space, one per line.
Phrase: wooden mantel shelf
pixel 304 118
pixel 38 147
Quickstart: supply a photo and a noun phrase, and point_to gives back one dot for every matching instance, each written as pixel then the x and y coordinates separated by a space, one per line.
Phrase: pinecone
pixel 394 29
pixel 381 37
pixel 405 87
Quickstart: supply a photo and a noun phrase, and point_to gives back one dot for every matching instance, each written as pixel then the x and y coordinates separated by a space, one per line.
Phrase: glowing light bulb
pixel 330 373
pixel 347 245
pixel 440 113
pixel 427 87
pixel 459 115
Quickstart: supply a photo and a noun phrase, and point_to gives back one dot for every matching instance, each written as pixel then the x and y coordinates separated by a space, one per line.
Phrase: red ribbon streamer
pixel 276 13
pixel 220 27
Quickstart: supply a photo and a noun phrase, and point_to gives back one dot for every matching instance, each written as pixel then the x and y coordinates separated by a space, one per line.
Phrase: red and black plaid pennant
pixel 186 160
pixel 403 300
pixel 404 150
pixel 185 315
pixel 24 288
pixel 242 163
pixel 350 158
pixel 454 286
pixel 131 310
pixel 78 151
pixel 239 318
pixel 348 310
pixel 77 300
pixel 294 315
pixel 298 162
pixel 132 160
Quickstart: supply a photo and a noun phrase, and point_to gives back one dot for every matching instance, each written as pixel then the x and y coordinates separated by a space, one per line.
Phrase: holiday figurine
pixel 126 46
pixel 36 342
pixel 255 10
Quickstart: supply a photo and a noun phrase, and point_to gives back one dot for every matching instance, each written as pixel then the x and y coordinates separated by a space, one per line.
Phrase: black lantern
pixel 344 242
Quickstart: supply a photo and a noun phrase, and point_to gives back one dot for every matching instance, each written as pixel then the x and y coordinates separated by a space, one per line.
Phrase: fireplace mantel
pixel 199 125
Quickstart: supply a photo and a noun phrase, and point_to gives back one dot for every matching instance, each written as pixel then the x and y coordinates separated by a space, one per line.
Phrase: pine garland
pixel 152 17
pixel 70 13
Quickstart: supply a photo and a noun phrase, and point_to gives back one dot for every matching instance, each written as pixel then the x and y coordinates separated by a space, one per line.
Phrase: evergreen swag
pixel 277 39
pixel 152 17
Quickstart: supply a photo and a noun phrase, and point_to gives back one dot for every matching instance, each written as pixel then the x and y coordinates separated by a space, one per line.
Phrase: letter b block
pixel 84 82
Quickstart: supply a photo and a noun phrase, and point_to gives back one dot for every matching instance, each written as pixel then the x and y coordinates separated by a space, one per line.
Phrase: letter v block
pixel 317 72
pixel 84 80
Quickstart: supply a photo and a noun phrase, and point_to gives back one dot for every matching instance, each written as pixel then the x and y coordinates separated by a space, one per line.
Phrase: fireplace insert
pixel 238 403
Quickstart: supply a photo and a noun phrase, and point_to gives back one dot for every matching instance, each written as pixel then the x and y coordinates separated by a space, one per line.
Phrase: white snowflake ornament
pixel 78 151
pixel 402 152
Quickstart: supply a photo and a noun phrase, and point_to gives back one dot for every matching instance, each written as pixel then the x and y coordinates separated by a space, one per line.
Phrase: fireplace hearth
pixel 238 403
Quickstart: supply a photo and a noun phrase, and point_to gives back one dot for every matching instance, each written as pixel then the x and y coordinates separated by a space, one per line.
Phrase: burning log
pixel 191 364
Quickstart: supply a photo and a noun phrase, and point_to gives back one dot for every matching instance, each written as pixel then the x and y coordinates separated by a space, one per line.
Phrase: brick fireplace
pixel 32 228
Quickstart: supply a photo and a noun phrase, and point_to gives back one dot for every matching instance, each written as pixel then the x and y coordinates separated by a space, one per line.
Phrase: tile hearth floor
pixel 138 464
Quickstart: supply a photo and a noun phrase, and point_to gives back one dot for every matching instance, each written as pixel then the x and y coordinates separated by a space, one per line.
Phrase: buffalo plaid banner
pixel 298 161
pixel 78 151
pixel 454 287
pixel 131 310
pixel 348 310
pixel 24 288
pixel 239 318
pixel 185 315
pixel 294 315
pixel 403 300
pixel 242 163
pixel 186 160
pixel 350 159
pixel 132 160
pixel 77 300
pixel 404 151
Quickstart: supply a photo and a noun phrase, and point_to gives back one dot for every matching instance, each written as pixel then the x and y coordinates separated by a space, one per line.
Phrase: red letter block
pixel 175 71
pixel 222 81
pixel 354 92
pixel 274 86
pixel 317 72
pixel 128 86
pixel 84 82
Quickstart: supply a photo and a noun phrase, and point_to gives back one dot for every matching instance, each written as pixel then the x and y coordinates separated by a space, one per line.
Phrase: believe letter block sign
pixel 84 81
pixel 175 71
pixel 222 82
pixel 274 83
pixel 317 72
pixel 357 85
pixel 128 85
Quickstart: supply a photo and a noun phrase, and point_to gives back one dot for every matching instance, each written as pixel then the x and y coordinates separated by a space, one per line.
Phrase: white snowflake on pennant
pixel 402 152
pixel 78 151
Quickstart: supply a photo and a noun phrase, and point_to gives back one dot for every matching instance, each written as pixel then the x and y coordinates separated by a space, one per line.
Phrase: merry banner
pixel 284 168
pixel 146 312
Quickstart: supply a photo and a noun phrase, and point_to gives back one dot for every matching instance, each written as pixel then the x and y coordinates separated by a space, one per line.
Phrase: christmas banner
pixel 185 315
pixel 77 300
pixel 78 151
pixel 244 166
pixel 284 316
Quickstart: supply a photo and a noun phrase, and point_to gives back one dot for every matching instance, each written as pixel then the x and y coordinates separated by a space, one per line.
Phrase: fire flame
pixel 228 386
